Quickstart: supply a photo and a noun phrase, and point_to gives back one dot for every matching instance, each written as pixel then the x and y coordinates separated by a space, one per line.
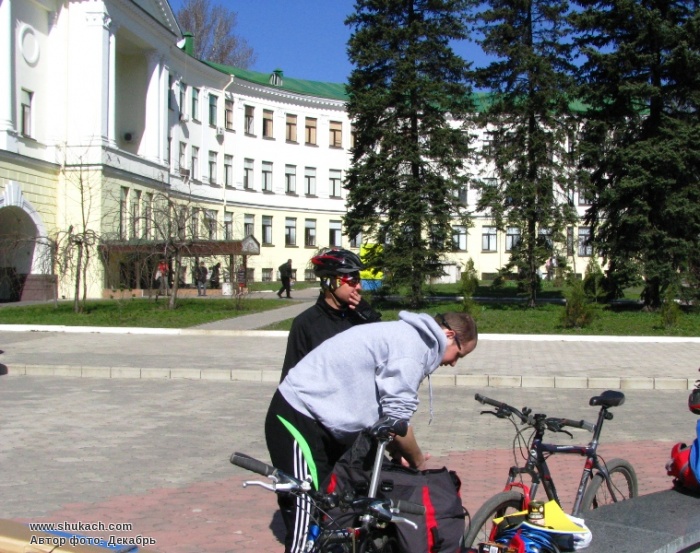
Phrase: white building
pixel 104 111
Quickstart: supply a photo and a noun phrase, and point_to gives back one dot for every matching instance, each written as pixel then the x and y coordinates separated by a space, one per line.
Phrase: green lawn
pixel 544 319
pixel 136 312
pixel 492 318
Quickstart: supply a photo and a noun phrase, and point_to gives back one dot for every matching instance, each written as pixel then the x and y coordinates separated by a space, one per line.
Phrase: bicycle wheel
pixel 480 525
pixel 623 484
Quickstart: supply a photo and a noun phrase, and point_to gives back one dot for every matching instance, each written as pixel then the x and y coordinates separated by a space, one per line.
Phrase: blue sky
pixel 307 39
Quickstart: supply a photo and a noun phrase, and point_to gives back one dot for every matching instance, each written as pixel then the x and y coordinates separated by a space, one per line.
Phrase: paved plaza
pixel 138 428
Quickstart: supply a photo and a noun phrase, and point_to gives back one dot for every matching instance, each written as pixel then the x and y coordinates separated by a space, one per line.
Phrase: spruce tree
pixel 408 100
pixel 641 139
pixel 527 177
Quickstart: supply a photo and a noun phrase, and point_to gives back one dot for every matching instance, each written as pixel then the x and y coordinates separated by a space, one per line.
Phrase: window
pixel 183 95
pixel 167 152
pixel 336 135
pixel 248 174
pixel 460 194
pixel 213 116
pixel 290 179
pixel 195 162
pixel 512 238
pixel 290 231
pixel 181 222
pixel 195 104
pixel 310 130
pixel 310 181
pixel 353 137
pixel 335 234
pixel 310 233
pixel 585 247
pixel 267 123
pixel 585 197
pixel 147 214
pixel 210 223
pixel 26 112
pixel 334 181
pixel 135 207
pixel 228 225
pixel 488 145
pixel 459 238
pixel 488 239
pixel 228 113
pixel 249 121
pixel 248 225
pixel 212 167
pixel 267 229
pixel 356 240
pixel 543 235
pixel 291 131
pixel 570 241
pixel 194 231
pixel 182 156
pixel 228 170
pixel 267 176
pixel 123 212
pixel 267 275
pixel 171 93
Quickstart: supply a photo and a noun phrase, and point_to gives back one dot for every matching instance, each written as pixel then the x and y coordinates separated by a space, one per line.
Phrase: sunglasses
pixel 443 322
pixel 350 281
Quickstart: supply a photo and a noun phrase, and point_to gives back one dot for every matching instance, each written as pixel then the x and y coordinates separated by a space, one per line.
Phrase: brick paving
pixel 154 453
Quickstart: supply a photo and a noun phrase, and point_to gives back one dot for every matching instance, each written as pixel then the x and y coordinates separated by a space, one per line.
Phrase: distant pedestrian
pixel 162 274
pixel 286 277
pixel 215 275
pixel 201 278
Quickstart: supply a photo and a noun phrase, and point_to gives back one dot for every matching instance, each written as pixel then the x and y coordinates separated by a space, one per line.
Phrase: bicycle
pixel 601 482
pixel 369 517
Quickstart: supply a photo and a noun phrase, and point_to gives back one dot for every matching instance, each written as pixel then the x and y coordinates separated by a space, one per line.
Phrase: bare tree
pixel 214 38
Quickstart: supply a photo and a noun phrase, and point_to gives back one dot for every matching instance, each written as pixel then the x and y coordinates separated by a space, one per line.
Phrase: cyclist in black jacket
pixel 339 306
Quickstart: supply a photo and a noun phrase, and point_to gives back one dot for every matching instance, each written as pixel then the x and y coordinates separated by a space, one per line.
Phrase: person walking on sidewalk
pixel 201 278
pixel 286 276
pixel 345 385
pixel 338 307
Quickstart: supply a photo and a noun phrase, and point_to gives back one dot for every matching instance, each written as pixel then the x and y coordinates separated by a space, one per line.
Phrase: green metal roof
pixel 335 91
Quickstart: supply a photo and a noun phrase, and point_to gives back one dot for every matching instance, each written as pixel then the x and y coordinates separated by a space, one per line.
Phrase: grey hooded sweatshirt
pixel 365 372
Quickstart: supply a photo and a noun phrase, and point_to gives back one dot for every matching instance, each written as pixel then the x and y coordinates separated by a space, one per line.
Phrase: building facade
pixel 107 118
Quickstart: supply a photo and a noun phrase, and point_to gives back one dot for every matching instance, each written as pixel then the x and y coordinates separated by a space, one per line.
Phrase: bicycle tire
pixel 623 479
pixel 500 504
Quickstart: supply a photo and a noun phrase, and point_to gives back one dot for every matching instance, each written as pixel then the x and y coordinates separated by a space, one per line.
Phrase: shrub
pixel 593 281
pixel 468 285
pixel 578 313
pixel 670 311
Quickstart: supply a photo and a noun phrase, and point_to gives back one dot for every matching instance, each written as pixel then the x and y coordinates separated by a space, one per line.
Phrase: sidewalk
pixel 146 440
pixel 233 350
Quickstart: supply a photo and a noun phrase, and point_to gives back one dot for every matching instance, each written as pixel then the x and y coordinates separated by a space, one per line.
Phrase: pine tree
pixel 641 140
pixel 408 101
pixel 527 181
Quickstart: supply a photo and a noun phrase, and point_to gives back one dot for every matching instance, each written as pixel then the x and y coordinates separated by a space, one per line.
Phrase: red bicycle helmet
pixel 694 401
pixel 336 262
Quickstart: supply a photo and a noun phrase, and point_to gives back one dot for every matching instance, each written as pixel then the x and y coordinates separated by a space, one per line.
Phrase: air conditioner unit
pixel 219 131
pixel 184 172
pixel 184 118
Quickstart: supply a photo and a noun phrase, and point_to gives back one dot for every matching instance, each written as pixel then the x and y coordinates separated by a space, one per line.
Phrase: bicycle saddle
pixel 609 398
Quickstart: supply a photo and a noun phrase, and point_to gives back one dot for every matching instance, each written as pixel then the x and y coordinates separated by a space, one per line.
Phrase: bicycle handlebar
pixel 245 461
pixel 407 507
pixel 553 424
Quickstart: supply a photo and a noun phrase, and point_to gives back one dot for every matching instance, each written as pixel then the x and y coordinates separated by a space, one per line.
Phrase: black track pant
pixel 299 446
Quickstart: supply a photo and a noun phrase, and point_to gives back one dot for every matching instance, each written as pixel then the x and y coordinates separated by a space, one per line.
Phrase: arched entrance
pixel 25 255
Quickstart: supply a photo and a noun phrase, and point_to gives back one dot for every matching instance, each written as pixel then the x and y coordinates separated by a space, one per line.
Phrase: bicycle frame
pixel 536 466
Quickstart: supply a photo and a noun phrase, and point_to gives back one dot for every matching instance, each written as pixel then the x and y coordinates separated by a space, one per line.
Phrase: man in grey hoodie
pixel 345 385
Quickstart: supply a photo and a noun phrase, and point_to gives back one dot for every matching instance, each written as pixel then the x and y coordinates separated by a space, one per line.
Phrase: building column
pixel 7 38
pixel 155 96
pixel 112 89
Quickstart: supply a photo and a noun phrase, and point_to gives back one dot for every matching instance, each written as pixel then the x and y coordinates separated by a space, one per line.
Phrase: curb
pixel 272 376
pixel 285 333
